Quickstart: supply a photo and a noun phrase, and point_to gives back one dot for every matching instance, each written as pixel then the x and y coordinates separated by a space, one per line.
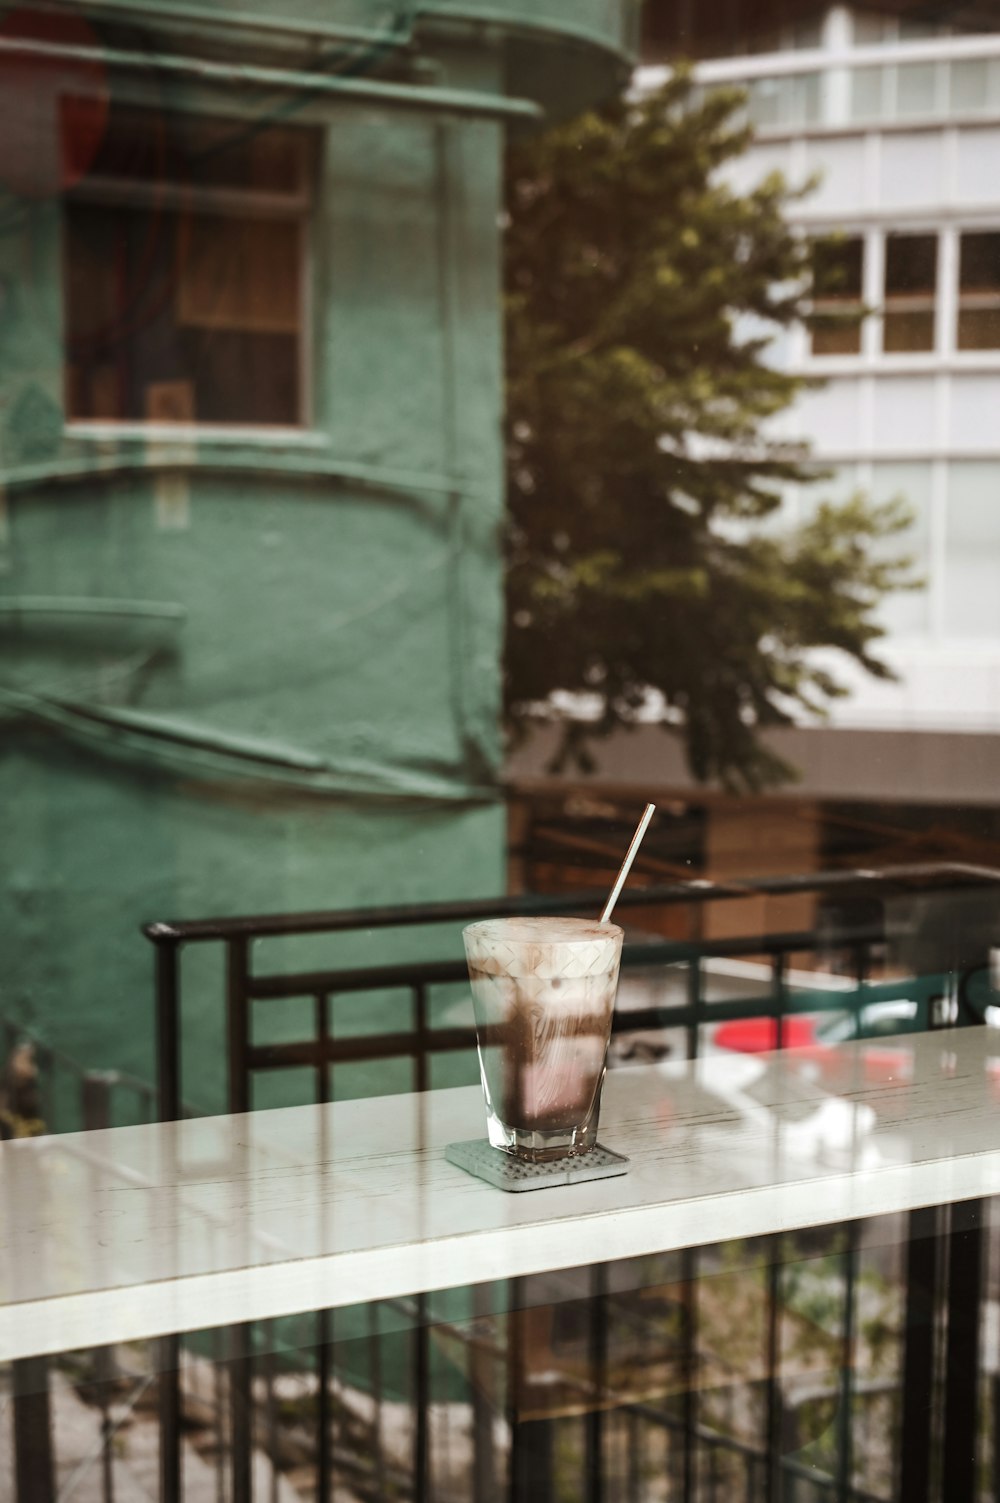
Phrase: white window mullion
pixel 946 321
pixel 872 293
pixel 836 79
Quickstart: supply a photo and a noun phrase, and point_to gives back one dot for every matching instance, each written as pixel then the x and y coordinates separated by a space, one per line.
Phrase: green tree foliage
pixel 645 563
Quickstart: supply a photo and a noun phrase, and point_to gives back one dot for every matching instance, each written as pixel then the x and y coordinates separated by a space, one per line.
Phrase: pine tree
pixel 646 570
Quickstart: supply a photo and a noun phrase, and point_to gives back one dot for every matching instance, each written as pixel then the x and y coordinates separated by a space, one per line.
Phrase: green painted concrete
pixel 309 716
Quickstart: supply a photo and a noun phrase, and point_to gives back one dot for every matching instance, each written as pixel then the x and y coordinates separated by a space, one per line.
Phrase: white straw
pixel 626 865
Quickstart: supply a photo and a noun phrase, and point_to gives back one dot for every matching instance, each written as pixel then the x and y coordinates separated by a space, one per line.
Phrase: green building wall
pixel 251 672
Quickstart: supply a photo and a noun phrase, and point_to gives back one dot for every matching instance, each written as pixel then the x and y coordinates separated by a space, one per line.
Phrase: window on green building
pixel 185 256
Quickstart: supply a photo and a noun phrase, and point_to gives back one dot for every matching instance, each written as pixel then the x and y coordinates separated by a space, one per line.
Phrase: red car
pixel 811 1037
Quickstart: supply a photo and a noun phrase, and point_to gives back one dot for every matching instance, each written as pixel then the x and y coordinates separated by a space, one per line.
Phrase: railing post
pixel 324 1438
pixel 168 1404
pixel 961 1382
pixel 33 1464
pixel 689 1461
pixel 598 1356
pixel 485 1488
pixel 860 977
pixel 694 1003
pixel 845 1425
pixel 322 1040
pixel 775 1400
pixel 238 1023
pixel 95 1099
pixel 168 1103
pixel 241 1413
pixel 918 1355
pixel 779 993
pixel 420 1065
pixel 105 1371
pixel 422 1402
pixel 168 1025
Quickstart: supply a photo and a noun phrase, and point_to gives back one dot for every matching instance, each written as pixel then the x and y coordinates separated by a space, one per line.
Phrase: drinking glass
pixel 544 996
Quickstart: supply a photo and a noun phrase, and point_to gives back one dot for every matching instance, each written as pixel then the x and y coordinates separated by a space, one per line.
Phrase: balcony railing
pixel 419 981
pixel 617 1375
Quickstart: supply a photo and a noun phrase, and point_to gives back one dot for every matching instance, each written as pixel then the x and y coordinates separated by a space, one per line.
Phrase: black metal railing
pixel 724 1423
pixel 421 1041
pixel 69 1096
pixel 939 997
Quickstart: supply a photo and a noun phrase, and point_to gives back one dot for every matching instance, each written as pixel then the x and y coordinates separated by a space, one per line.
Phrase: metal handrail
pixel 697 890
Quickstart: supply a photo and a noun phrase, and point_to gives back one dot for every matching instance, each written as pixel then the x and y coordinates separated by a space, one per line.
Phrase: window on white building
pixel 868 92
pixel 184 256
pixel 979 291
pixel 837 306
pixel 972 601
pixel 910 288
pixel 973 85
pixel 792 100
pixel 906 612
pixel 916 90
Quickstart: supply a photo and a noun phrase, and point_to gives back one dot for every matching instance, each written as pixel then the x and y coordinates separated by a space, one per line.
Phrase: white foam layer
pixel 543 947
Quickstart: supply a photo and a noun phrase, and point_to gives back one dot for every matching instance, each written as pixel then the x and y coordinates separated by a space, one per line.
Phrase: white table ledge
pixel 139 1232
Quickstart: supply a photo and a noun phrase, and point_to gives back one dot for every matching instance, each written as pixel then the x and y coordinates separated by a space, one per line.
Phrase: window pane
pixel 906 611
pixel 833 335
pixel 183 251
pixel 980 263
pixel 768 101
pixel 916 89
pixel 837 268
pixel 910 264
pixel 974 506
pixel 972 601
pixel 908 333
pixel 979 292
pixel 969 85
pixel 867 88
pixel 174 317
pixel 910 280
pixel 785 101
pixel 806 101
pixel 837 274
pixel 979 329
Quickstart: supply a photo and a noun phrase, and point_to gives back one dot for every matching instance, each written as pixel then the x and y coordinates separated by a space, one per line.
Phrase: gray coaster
pixel 508 1173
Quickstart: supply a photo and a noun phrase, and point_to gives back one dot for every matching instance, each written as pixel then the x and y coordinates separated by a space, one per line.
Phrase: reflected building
pixel 251 469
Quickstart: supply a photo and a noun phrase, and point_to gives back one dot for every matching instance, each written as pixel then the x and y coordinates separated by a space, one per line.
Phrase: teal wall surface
pixel 252 671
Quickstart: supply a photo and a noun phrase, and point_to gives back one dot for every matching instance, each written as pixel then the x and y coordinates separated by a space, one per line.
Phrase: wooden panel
pixel 239 274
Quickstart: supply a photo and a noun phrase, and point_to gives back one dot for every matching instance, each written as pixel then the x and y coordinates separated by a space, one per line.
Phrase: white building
pixel 899 118
pixel 900 122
